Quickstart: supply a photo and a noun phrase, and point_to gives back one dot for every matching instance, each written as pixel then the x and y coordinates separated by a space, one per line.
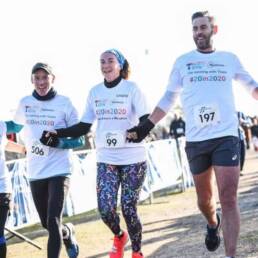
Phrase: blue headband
pixel 119 56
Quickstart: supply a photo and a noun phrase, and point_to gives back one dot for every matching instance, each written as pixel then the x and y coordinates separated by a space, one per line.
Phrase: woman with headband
pixel 116 104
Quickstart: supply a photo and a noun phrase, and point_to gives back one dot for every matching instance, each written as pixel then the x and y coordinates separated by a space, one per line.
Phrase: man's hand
pixel 49 139
pixel 139 132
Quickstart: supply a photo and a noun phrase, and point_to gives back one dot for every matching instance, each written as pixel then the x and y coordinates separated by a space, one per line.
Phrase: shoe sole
pixel 216 247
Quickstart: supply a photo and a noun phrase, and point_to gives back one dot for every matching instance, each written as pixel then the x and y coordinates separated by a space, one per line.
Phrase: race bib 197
pixel 39 149
pixel 206 115
pixel 113 139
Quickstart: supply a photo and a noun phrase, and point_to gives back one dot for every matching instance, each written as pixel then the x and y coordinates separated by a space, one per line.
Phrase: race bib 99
pixel 206 115
pixel 114 139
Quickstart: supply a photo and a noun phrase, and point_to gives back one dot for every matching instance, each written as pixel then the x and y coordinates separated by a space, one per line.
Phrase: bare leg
pixel 204 184
pixel 227 181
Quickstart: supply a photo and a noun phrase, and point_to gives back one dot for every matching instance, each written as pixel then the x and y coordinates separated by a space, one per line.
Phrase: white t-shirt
pixel 205 83
pixel 116 110
pixel 37 116
pixel 5 181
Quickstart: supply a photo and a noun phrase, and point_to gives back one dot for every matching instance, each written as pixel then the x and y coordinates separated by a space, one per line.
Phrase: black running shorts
pixel 224 151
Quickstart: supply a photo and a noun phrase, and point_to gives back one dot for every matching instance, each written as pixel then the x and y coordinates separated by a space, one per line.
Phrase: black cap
pixel 42 66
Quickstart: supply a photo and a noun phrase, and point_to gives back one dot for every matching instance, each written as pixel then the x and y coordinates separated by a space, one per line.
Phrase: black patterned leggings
pixel 131 178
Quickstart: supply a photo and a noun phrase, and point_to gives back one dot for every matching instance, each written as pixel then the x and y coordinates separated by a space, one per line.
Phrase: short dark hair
pixel 203 14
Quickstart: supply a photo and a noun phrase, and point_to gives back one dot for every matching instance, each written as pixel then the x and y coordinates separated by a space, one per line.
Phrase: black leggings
pixel 49 197
pixel 4 209
pixel 242 154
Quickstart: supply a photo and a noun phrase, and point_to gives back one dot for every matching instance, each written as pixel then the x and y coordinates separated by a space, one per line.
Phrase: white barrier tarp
pixel 164 169
pixel 164 164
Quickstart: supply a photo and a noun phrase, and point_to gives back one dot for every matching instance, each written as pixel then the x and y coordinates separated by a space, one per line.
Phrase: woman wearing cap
pixel 116 104
pixel 5 183
pixel 48 168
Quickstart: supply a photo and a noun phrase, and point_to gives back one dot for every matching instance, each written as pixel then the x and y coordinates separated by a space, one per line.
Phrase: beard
pixel 205 43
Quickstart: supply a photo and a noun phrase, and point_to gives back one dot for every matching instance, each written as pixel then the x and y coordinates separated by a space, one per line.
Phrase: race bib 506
pixel 38 149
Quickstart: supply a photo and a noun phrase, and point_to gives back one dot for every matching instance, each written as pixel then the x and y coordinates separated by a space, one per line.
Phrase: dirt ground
pixel 172 227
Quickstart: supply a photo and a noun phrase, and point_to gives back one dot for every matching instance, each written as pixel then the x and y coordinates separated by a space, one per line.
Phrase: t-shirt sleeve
pixel 88 114
pixel 175 80
pixel 3 131
pixel 19 116
pixel 139 102
pixel 241 75
pixel 72 116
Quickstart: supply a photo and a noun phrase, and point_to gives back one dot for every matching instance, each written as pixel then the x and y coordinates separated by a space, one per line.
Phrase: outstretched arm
pixel 138 133
pixel 51 139
pixel 58 138
pixel 157 115
pixel 74 131
pixel 71 143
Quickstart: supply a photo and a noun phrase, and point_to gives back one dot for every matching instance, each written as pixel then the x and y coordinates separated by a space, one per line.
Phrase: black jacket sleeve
pixel 76 130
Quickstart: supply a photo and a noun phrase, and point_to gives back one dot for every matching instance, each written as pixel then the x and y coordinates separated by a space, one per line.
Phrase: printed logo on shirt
pixel 31 109
pixel 47 110
pixel 201 65
pixel 100 102
pixel 117 102
pixel 111 111
pixel 122 95
pixel 234 157
pixel 40 122
pixel 196 65
pixel 211 64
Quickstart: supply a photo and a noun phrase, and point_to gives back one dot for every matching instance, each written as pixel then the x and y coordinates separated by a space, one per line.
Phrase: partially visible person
pixel 204 77
pixel 5 183
pixel 177 127
pixel 254 132
pixel 160 132
pixel 116 104
pixel 243 123
pixel 89 140
pixel 49 169
pixel 247 131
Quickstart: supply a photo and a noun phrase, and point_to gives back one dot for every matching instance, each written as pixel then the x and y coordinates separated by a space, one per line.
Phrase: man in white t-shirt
pixel 203 78
pixel 49 169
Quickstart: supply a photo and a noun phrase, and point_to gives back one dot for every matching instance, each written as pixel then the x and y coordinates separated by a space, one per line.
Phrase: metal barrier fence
pixel 167 166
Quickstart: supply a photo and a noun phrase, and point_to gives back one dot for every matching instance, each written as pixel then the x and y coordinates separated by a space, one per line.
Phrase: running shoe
pixel 118 246
pixel 137 255
pixel 212 239
pixel 70 243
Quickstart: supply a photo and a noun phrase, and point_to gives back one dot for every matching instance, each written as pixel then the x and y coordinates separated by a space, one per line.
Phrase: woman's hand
pixel 49 138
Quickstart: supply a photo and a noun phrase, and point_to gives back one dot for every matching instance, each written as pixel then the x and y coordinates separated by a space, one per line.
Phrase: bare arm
pixel 157 115
pixel 15 147
pixel 255 93
pixel 138 133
